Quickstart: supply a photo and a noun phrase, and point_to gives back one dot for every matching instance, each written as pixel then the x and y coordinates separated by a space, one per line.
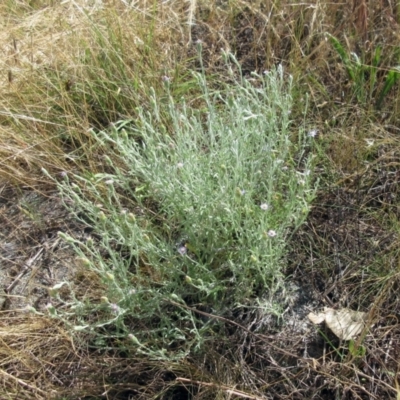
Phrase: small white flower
pixel 180 165
pixel 115 308
pixel 271 233
pixel 264 206
pixel 312 133
pixel 182 250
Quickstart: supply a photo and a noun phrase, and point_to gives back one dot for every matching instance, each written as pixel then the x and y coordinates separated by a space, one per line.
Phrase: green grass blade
pixel 343 55
pixel 373 69
pixel 391 79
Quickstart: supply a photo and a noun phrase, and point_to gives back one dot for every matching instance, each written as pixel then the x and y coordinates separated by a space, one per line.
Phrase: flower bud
pixel 110 276
pixel 102 216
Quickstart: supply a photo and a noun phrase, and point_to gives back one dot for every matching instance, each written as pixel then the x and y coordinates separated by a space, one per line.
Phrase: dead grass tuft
pixel 72 67
pixel 35 353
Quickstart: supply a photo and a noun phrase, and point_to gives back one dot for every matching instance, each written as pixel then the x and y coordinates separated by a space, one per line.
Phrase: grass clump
pixel 192 213
pixel 366 78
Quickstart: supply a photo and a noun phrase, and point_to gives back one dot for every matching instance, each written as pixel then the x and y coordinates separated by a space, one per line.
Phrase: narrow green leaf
pixel 377 56
pixel 343 55
pixel 391 79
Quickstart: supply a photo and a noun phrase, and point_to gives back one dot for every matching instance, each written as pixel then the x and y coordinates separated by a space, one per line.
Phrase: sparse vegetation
pixel 152 259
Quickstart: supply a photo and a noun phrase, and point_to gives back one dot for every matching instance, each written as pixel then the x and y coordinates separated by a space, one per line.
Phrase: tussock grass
pixel 77 67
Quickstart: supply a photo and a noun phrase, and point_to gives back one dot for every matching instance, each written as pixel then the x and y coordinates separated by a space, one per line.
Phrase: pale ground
pixel 32 256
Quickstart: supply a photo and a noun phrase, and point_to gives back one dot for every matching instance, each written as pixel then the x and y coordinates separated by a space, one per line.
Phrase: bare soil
pixel 32 256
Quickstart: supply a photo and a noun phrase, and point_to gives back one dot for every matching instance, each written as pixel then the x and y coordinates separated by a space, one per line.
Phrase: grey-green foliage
pixel 197 208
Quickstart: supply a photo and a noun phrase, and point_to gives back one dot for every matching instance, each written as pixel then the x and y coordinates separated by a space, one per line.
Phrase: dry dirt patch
pixel 32 256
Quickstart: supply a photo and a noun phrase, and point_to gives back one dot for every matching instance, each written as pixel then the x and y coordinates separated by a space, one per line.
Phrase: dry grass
pixel 71 67
pixel 28 369
pixel 75 65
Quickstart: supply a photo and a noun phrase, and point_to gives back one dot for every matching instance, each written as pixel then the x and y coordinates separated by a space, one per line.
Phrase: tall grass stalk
pixel 195 209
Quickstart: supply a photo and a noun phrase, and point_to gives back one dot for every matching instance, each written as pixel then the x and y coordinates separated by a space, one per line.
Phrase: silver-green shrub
pixel 196 210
